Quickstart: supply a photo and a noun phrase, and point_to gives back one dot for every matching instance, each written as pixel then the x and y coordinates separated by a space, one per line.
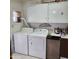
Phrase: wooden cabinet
pixel 50 1
pixel 53 48
pixel 64 48
pixel 56 47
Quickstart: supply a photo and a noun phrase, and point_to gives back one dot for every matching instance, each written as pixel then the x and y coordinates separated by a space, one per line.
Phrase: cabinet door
pixel 37 13
pixel 20 42
pixel 64 48
pixel 37 47
pixel 58 12
pixel 53 49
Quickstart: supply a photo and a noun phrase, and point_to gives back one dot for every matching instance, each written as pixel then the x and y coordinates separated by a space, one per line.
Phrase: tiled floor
pixel 63 58
pixel 20 56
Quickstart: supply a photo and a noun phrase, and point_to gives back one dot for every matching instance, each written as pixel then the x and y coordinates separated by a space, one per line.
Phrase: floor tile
pixel 20 56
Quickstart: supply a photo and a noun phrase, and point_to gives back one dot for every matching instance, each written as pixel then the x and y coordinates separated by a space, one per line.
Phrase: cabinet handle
pixel 31 43
pixel 62 13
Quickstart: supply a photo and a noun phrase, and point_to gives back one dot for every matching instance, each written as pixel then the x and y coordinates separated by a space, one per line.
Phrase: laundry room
pixel 39 29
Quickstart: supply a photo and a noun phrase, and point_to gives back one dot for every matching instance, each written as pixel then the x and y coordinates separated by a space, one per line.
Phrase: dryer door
pixel 20 41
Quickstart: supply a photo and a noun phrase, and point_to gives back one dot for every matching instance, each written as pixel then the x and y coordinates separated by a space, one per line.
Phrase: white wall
pixel 15 5
pixel 53 25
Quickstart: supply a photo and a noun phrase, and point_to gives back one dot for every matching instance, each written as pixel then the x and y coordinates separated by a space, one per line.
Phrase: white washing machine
pixel 37 43
pixel 21 41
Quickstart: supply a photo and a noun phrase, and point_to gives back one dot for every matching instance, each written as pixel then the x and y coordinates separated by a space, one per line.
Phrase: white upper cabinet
pixel 37 13
pixel 58 12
